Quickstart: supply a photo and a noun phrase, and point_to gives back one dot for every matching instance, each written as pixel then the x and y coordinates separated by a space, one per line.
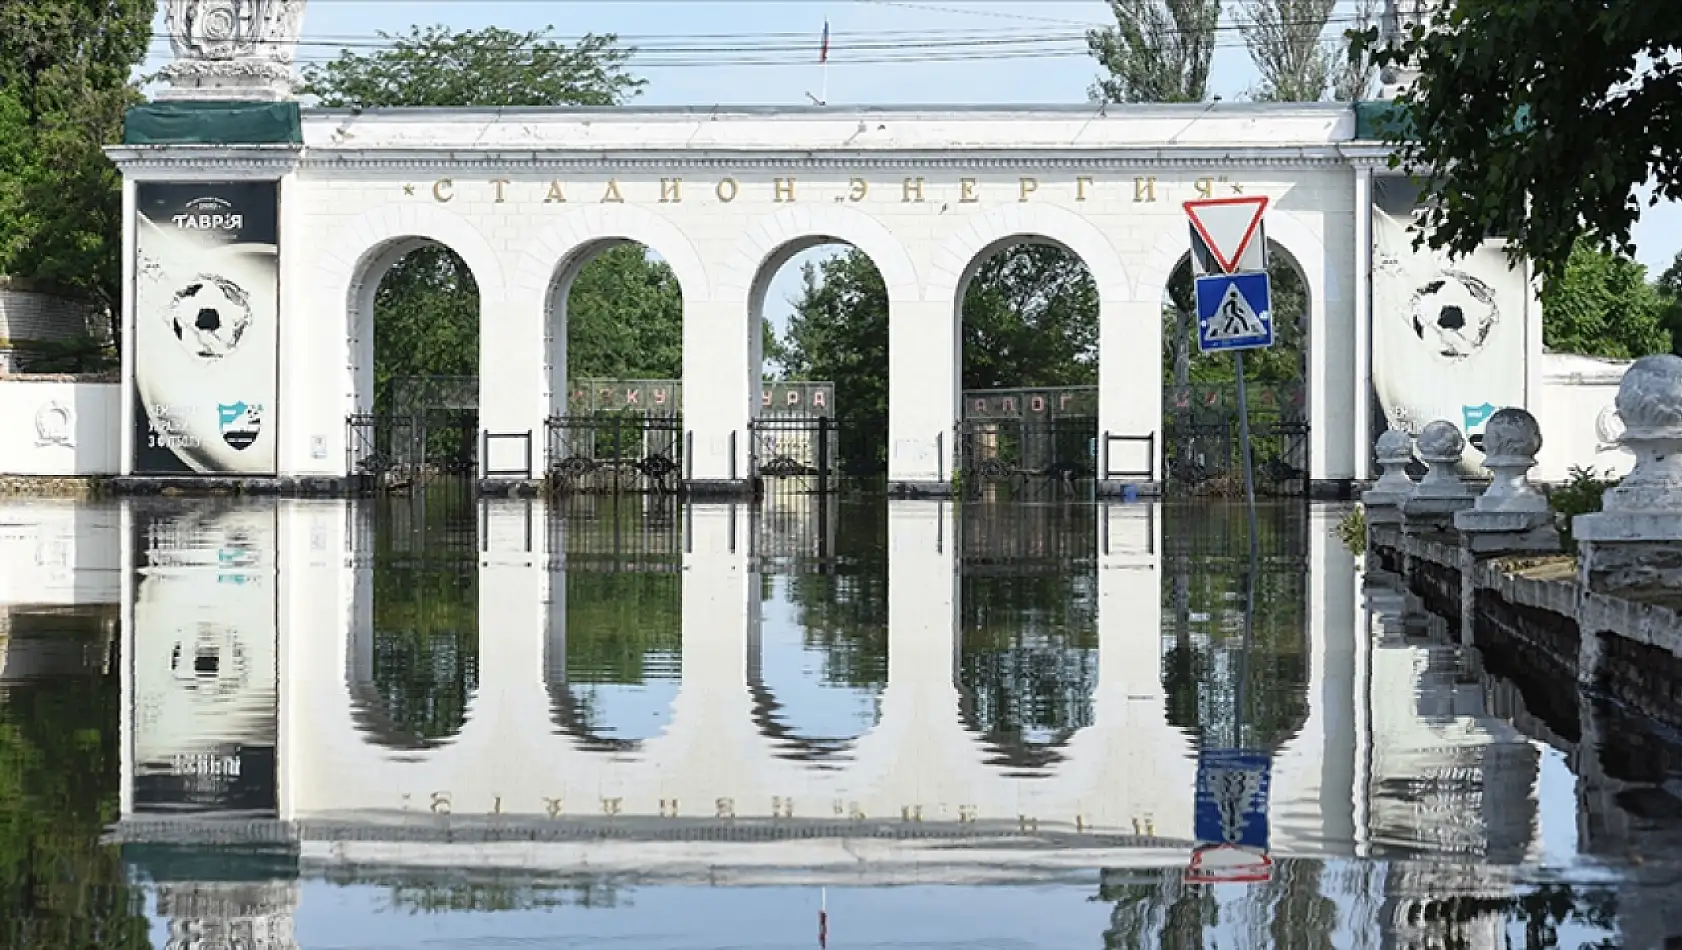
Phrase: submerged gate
pixel 1030 440
pixel 422 434
pixel 1201 447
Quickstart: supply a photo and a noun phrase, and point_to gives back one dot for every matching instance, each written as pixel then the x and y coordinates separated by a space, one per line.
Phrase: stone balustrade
pixel 1472 549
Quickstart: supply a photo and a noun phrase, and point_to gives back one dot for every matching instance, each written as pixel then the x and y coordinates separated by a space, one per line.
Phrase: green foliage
pixel 839 332
pixel 1283 362
pixel 1669 286
pixel 1602 305
pixel 1582 494
pixel 1352 530
pixel 435 66
pixel 1287 43
pixel 619 624
pixel 625 318
pixel 625 313
pixel 65 70
pixel 1030 318
pixel 78 355
pixel 1158 51
pixel 60 759
pixel 1513 129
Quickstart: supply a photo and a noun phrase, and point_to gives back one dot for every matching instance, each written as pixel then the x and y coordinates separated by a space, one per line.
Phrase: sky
pixel 702 52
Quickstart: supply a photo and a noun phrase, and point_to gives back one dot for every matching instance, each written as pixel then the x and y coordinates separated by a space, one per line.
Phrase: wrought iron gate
pixel 1042 440
pixel 399 451
pixel 1201 447
pixel 1049 455
pixel 794 453
pixel 615 452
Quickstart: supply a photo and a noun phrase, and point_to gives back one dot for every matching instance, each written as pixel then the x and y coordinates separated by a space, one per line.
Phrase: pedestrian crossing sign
pixel 1234 312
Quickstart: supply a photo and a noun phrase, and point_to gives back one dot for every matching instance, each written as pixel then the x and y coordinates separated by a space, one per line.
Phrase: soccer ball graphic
pixel 1454 313
pixel 209 316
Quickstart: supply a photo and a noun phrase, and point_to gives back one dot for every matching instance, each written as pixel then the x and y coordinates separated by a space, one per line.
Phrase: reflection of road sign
pixel 1232 787
pixel 1228 864
pixel 1228 233
pixel 1234 312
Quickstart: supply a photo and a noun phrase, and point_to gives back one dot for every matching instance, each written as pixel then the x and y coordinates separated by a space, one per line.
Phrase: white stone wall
pixel 1576 408
pixel 57 425
pixel 488 186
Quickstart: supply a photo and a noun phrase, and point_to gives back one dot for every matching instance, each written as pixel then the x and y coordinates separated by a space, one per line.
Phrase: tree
pixel 839 332
pixel 433 66
pixel 624 313
pixel 1602 305
pixel 65 68
pixel 1030 318
pixel 1158 51
pixel 1537 119
pixel 1287 42
pixel 1669 286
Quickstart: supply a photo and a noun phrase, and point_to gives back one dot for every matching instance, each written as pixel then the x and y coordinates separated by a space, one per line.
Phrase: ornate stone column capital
pixel 232 49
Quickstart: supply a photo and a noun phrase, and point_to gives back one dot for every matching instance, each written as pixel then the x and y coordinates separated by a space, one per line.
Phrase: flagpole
pixel 823 67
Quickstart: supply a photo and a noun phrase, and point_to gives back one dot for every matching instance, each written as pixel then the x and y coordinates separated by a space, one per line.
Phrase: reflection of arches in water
pixel 838 622
pixel 414 662
pixel 1028 664
pixel 1203 623
pixel 614 640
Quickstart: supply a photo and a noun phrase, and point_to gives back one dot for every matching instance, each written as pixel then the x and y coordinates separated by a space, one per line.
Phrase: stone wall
pixel 29 315
pixel 59 427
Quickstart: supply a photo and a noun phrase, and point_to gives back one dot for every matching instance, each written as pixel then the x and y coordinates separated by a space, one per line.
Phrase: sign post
pixel 1234 300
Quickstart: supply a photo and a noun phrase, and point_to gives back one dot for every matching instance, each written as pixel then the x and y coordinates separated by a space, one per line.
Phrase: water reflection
pixel 316 712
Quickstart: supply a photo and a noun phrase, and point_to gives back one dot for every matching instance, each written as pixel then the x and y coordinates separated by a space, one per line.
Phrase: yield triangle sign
pixel 1227 226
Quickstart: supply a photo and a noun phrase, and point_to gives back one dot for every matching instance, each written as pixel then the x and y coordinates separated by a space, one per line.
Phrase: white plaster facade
pixel 726 195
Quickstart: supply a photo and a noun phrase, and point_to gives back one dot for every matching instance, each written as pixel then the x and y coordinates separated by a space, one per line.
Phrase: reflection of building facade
pixel 1446 780
pixel 728 776
pixel 229 916
pixel 535 742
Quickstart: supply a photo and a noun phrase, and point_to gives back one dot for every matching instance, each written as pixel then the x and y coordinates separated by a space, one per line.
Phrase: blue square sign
pixel 1234 312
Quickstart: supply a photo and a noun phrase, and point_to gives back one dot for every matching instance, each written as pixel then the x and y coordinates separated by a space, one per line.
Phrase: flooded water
pixel 857 723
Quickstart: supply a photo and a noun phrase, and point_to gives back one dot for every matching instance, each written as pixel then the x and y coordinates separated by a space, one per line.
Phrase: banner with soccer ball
pixel 206 327
pixel 1450 336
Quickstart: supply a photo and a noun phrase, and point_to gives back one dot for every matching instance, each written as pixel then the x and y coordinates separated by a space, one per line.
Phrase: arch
pixel 769 244
pixel 958 259
pixel 543 277
pixel 349 269
pixel 578 234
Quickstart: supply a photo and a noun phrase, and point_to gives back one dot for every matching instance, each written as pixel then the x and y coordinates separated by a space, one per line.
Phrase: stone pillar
pixel 1511 516
pixel 1383 501
pixel 1633 546
pixel 1441 493
pixel 923 396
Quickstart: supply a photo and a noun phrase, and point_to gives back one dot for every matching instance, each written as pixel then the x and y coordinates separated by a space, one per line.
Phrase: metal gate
pixel 1201 447
pixel 615 452
pixel 398 451
pixel 794 454
pixel 1046 456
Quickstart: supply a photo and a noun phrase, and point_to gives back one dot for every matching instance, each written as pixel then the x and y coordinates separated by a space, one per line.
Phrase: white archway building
pixel 726 195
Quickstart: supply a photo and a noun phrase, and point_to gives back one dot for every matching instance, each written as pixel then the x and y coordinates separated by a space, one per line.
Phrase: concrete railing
pixel 1477 552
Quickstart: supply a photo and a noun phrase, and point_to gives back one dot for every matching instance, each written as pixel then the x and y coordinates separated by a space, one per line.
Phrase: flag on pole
pixel 823 51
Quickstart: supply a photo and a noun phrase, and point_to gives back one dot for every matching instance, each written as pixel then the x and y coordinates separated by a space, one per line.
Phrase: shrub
pixel 1352 530
pixel 1580 495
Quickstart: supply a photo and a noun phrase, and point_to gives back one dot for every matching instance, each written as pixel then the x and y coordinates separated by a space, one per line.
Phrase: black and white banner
pixel 205 677
pixel 206 327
